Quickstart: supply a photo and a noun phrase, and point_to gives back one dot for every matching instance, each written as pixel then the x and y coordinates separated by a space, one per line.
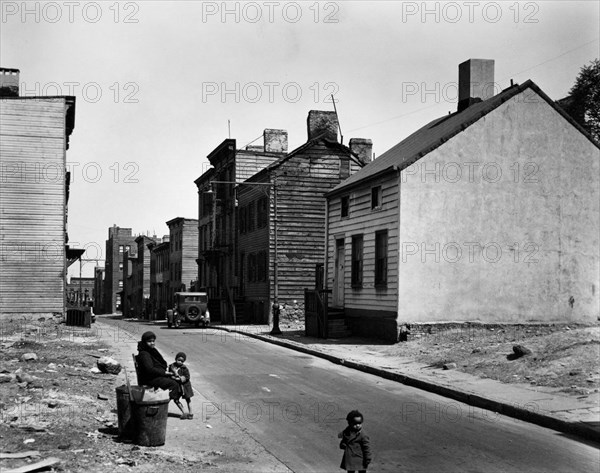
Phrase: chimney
pixel 475 82
pixel 322 123
pixel 9 82
pixel 363 148
pixel 276 141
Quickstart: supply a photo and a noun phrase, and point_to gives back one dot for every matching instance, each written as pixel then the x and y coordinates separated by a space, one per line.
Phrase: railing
pixel 316 312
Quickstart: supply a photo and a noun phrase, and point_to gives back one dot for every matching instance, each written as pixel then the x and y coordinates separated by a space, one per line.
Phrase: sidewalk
pixel 540 405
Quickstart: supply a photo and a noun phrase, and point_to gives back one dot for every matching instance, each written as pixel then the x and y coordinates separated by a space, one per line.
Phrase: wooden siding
pixel 302 182
pixel 32 206
pixel 362 220
pixel 248 163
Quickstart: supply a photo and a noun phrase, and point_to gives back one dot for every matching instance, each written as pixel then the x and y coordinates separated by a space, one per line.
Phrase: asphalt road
pixel 295 405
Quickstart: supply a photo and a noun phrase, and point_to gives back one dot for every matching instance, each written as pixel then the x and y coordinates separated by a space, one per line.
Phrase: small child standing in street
pixel 182 376
pixel 356 445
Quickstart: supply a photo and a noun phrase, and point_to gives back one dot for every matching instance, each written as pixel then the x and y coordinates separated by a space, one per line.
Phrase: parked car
pixel 190 307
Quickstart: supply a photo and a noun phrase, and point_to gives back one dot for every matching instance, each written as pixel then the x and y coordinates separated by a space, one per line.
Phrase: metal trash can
pixel 126 421
pixel 150 421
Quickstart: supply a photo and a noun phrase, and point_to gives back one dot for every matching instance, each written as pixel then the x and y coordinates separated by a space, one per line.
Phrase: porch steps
pixel 240 313
pixel 336 326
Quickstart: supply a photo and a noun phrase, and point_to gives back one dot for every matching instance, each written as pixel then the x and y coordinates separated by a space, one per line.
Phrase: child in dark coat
pixel 355 443
pixel 182 376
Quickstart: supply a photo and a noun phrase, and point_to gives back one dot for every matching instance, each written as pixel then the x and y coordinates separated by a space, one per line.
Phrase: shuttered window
pixel 357 261
pixel 381 251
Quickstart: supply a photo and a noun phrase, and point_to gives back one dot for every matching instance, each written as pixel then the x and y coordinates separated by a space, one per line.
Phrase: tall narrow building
pixel 34 190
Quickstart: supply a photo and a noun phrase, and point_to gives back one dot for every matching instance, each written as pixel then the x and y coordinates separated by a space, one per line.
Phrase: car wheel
pixel 193 313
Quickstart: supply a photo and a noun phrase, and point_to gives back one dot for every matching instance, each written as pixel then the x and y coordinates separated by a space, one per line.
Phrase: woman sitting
pixel 152 369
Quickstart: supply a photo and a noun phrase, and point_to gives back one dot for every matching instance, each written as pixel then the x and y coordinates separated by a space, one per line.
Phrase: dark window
pixel 376 197
pixel 261 266
pixel 345 203
pixel 381 252
pixel 243 213
pixel 250 219
pixel 357 261
pixel 252 267
pixel 261 213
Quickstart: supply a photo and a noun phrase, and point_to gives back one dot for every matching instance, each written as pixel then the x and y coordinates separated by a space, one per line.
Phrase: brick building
pixel 119 241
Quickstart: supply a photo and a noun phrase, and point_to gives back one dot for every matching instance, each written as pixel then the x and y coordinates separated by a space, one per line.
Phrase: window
pixel 357 261
pixel 243 212
pixel 261 213
pixel 128 248
pixel 261 266
pixel 252 267
pixel 381 251
pixel 120 248
pixel 120 283
pixel 376 197
pixel 345 203
pixel 250 217
pixel 120 266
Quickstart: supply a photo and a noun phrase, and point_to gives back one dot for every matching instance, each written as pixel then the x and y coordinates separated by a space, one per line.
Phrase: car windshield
pixel 198 298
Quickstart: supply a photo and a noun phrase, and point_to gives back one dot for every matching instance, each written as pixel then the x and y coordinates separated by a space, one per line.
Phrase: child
pixel 355 443
pixel 182 376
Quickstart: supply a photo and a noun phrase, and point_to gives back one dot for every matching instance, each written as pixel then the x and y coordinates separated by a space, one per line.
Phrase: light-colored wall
pixel 32 206
pixel 528 194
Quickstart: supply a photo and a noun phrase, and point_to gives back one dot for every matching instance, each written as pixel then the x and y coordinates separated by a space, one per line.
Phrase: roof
pixel 334 145
pixel 177 220
pixel 437 132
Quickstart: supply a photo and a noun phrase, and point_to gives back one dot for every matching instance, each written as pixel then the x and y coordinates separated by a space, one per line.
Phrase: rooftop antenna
pixel 229 128
pixel 336 114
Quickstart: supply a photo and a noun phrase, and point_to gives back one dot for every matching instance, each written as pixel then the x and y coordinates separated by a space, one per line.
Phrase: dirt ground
pixel 56 406
pixel 562 356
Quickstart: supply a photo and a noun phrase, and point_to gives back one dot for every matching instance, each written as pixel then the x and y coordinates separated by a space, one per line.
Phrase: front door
pixel 338 283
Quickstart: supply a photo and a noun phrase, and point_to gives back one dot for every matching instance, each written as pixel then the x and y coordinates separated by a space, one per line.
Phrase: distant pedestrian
pixel 182 376
pixel 356 445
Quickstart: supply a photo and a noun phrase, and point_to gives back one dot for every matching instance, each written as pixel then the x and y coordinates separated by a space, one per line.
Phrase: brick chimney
pixel 475 82
pixel 276 141
pixel 363 148
pixel 9 82
pixel 322 123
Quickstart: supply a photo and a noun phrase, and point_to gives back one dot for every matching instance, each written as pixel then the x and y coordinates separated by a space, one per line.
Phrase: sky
pixel 159 85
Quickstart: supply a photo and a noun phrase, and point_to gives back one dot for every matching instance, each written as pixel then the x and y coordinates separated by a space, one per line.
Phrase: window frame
pixel 376 198
pixel 357 261
pixel 381 258
pixel 345 206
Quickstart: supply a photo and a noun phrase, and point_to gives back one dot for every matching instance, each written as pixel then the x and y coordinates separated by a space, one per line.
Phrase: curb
pixel 544 420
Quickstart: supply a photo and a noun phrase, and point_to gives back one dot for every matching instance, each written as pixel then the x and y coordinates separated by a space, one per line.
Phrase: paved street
pixel 295 404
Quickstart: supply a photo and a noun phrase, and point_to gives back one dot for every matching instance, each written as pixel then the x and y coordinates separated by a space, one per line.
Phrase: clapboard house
pixel 34 191
pixel 183 251
pixel 218 263
pixel 161 297
pixel 281 212
pixel 489 214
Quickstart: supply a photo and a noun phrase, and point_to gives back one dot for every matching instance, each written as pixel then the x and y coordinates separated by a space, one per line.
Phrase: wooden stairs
pixel 336 324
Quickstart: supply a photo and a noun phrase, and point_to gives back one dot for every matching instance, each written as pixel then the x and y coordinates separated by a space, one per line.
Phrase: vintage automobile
pixel 190 307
